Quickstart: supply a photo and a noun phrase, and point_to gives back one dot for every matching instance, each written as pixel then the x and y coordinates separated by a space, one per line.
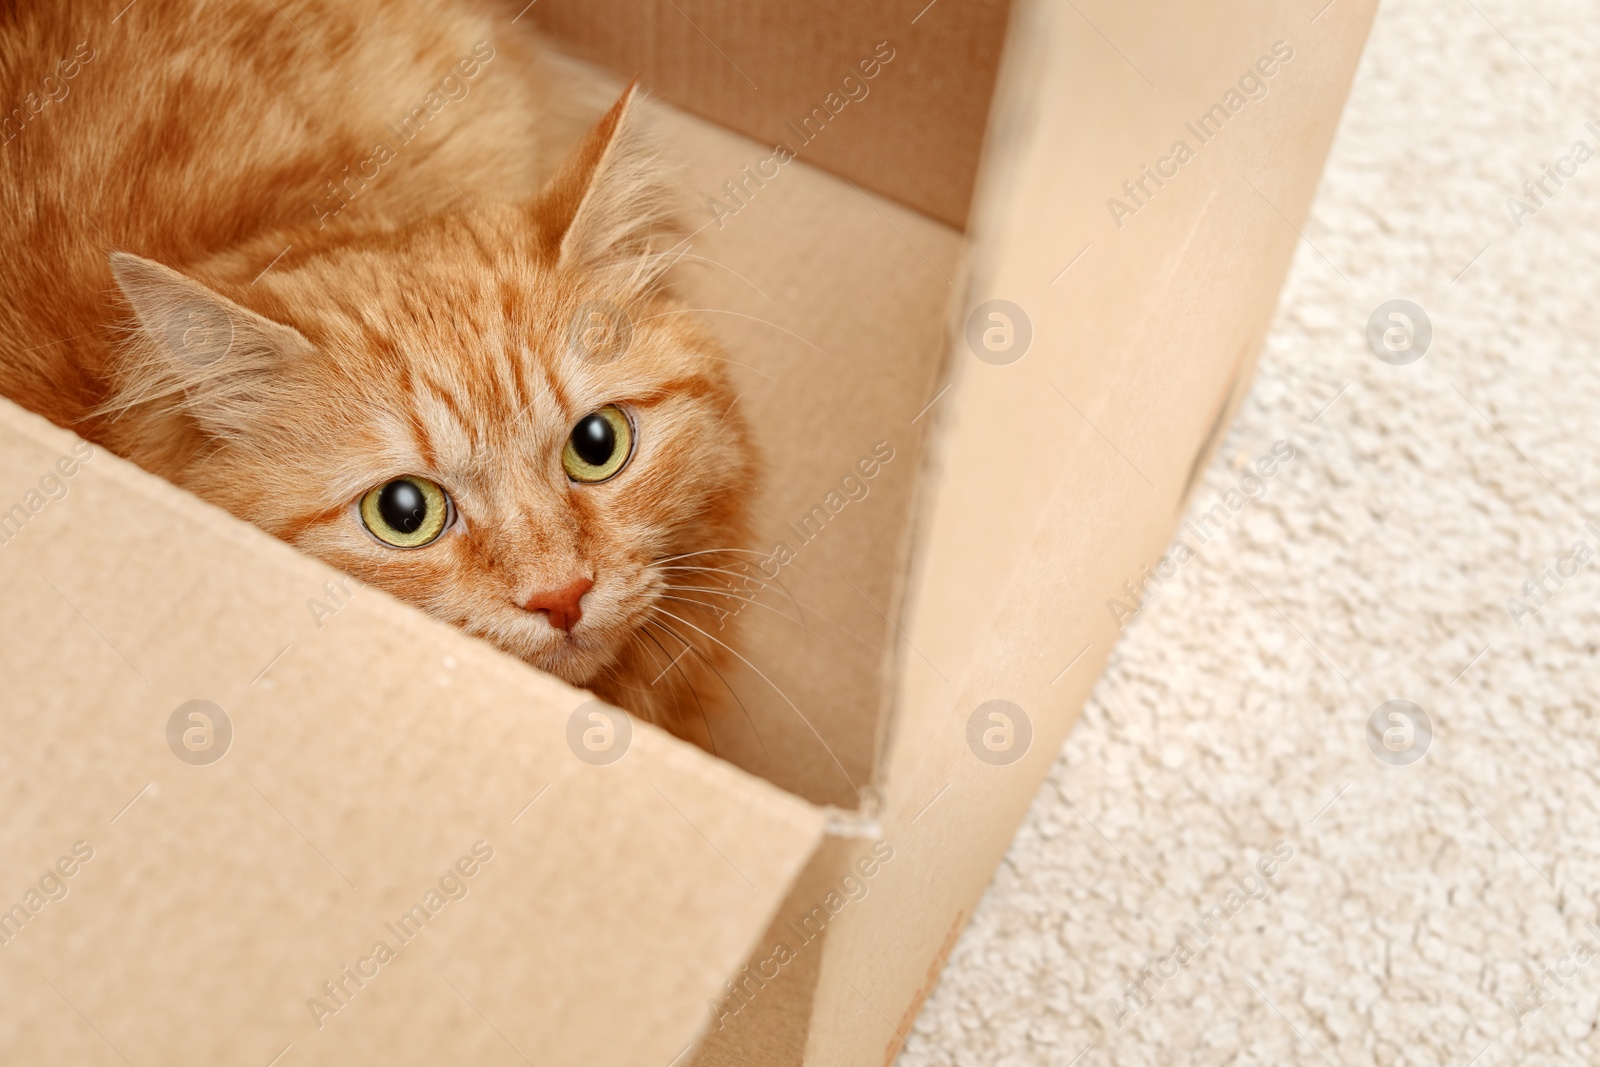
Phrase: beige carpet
pixel 1416 902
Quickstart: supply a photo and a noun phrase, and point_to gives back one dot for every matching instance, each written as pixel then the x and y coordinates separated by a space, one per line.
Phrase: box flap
pixel 210 882
pixel 1122 322
pixel 1060 466
pixel 892 96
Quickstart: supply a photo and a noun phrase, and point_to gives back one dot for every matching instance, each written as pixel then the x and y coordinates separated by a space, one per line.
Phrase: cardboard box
pixel 380 778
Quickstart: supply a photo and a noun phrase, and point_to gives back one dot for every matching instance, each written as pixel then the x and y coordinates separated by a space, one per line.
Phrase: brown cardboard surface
pixel 1135 350
pixel 833 337
pixel 762 67
pixel 831 300
pixel 765 1013
pixel 373 747
pixel 369 754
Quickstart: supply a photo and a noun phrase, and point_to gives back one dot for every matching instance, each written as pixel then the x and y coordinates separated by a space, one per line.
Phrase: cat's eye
pixel 599 445
pixel 408 512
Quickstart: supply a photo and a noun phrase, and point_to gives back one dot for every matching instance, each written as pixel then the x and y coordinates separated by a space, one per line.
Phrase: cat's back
pixel 182 130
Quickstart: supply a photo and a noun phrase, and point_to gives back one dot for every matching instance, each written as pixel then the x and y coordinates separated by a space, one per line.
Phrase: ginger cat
pixel 295 257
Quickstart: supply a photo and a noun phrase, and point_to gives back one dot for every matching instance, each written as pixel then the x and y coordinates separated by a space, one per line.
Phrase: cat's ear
pixel 608 200
pixel 220 360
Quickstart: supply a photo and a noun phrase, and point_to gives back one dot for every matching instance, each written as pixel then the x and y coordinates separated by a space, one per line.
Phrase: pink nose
pixel 561 605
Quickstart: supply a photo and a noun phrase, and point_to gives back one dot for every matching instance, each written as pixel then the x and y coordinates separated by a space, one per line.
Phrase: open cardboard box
pixel 792 898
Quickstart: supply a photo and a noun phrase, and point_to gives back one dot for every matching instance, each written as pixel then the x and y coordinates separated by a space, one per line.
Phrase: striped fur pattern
pixel 431 326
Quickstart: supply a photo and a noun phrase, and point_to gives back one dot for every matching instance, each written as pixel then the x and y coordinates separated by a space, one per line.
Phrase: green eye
pixel 599 446
pixel 408 512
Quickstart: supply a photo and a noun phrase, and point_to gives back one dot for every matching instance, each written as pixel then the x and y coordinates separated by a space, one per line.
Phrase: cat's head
pixel 496 413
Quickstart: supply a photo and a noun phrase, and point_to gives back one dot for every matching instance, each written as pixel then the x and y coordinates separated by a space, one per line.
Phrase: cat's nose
pixel 561 605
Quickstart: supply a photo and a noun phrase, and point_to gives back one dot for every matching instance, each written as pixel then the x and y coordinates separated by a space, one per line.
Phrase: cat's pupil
pixel 594 439
pixel 403 506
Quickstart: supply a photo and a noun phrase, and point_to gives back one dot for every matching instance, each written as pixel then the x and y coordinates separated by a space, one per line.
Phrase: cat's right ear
pixel 609 199
pixel 219 360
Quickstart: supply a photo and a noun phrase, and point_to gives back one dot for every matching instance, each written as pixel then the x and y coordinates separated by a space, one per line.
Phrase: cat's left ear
pixel 608 199
pixel 222 358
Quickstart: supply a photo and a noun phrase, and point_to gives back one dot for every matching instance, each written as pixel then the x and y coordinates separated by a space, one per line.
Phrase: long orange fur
pixel 386 313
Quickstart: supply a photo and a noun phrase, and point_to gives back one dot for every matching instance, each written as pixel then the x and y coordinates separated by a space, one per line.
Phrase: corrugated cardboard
pixel 765 68
pixel 1141 348
pixel 850 816
pixel 369 754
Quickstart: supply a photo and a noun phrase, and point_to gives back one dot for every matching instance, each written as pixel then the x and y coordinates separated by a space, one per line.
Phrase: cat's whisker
pixel 711 551
pixel 688 684
pixel 747 600
pixel 656 261
pixel 646 706
pixel 710 665
pixel 736 363
pixel 744 599
pixel 686 238
pixel 702 604
pixel 669 659
pixel 671 563
pixel 775 688
pixel 723 570
pixel 730 270
pixel 661 564
pixel 801 622
pixel 616 667
pixel 677 706
pixel 802 606
pixel 740 315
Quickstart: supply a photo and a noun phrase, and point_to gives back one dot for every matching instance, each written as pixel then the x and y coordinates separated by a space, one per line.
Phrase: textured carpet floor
pixel 1419 900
